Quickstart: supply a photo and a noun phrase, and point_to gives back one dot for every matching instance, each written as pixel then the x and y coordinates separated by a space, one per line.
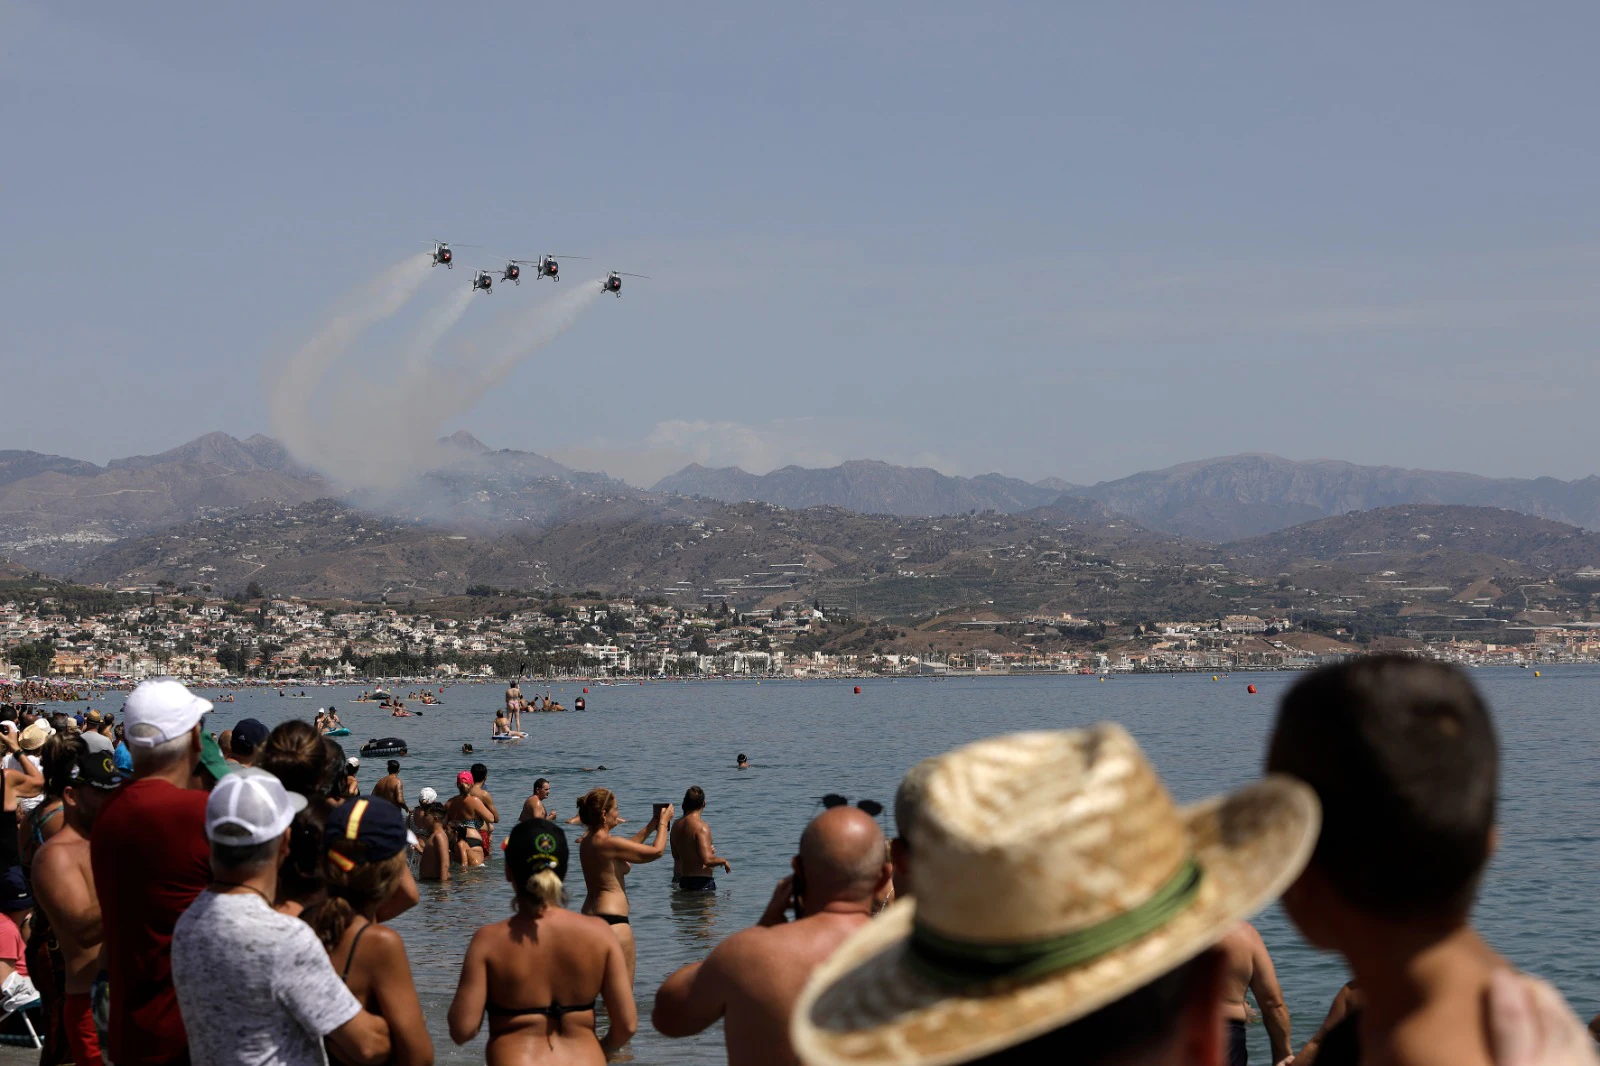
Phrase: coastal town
pixel 71 632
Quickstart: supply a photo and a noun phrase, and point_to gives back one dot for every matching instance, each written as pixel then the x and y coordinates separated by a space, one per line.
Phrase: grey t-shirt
pixel 255 987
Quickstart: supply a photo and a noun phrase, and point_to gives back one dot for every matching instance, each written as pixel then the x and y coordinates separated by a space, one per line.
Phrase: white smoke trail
pixel 419 350
pixel 382 428
pixel 292 383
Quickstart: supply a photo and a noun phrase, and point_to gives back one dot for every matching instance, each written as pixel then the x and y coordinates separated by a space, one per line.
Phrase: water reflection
pixel 695 921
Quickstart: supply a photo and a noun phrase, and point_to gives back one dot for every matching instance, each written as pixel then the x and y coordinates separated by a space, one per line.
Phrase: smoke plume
pixel 371 420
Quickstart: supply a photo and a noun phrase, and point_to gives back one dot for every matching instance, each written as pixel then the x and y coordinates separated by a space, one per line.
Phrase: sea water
pixel 805 739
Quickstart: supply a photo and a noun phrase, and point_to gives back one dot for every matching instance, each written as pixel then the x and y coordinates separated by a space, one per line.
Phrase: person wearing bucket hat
pixel 153 825
pixel 64 884
pixel 752 979
pixel 538 974
pixel 1064 910
pixel 363 867
pixel 256 986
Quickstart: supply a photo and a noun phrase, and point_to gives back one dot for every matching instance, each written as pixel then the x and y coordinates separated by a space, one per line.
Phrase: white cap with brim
pixel 160 710
pixel 250 806
pixel 428 795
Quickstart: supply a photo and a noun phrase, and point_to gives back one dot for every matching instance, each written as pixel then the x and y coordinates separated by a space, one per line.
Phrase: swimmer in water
pixel 466 749
pixel 743 763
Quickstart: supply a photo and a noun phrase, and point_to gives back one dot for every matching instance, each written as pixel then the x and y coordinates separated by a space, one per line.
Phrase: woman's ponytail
pixel 544 890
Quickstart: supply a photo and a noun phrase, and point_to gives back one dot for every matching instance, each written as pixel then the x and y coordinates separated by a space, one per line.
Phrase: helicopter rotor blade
pixel 625 274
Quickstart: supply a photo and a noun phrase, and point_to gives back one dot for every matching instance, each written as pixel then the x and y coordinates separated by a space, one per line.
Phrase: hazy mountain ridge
pixel 1425 538
pixel 1241 496
pixel 865 486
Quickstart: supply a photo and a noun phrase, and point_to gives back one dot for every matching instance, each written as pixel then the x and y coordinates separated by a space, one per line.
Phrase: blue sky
pixel 1049 240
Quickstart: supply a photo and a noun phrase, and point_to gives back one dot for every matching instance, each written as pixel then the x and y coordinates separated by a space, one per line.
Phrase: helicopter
pixel 547 267
pixel 483 280
pixel 613 283
pixel 512 271
pixel 443 255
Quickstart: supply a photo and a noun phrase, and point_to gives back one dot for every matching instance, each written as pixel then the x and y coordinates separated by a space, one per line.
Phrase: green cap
pixel 211 757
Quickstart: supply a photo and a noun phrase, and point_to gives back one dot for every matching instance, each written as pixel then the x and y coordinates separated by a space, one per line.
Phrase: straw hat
pixel 1054 875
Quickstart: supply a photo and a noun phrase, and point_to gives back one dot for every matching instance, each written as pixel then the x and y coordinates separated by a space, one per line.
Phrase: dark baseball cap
pixel 96 769
pixel 365 830
pixel 14 895
pixel 536 844
pixel 249 735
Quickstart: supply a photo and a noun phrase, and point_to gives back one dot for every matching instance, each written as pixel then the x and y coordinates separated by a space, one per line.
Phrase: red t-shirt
pixel 150 860
pixel 12 949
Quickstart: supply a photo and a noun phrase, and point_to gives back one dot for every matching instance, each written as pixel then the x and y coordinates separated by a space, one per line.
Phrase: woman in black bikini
pixel 538 973
pixel 364 866
pixel 467 818
pixel 607 859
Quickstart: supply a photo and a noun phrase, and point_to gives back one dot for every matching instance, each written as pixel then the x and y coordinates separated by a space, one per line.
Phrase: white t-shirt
pixel 255 987
pixel 25 804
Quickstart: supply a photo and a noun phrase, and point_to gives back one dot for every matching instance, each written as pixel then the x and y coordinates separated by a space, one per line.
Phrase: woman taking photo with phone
pixel 538 973
pixel 607 859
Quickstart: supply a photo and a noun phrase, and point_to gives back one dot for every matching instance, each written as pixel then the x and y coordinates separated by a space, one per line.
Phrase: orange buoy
pixel 1250 689
pixel 858 690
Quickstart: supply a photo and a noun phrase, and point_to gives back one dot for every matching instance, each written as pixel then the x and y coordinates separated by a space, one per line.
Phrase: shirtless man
pixel 753 978
pixel 480 774
pixel 63 885
pixel 534 806
pixel 694 857
pixel 1248 966
pixel 389 786
pixel 433 841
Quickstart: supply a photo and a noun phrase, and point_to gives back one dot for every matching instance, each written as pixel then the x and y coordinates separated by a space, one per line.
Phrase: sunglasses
pixel 871 807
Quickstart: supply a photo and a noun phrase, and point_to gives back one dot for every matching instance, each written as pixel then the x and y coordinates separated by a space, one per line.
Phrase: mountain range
pixel 1217 500
pixel 219 511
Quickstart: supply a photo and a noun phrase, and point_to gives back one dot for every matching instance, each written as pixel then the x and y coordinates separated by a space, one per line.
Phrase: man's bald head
pixel 842 851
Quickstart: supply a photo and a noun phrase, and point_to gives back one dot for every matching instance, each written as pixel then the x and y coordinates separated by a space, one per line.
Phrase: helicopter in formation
pixel 548 266
pixel 483 280
pixel 613 283
pixel 442 254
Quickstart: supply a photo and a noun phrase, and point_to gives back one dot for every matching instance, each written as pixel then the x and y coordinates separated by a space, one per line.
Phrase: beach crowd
pixel 169 896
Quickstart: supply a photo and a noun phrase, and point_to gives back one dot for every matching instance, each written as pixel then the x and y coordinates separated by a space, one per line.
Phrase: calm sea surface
pixel 1539 903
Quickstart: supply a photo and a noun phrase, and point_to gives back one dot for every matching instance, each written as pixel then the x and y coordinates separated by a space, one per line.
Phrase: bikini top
pixel 555 1012
pixel 350 959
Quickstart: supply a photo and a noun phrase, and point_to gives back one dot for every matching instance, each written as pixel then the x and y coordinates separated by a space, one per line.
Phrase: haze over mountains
pixel 1216 500
pixel 219 509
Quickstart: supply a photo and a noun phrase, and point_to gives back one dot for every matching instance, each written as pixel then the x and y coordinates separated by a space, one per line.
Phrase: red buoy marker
pixel 586 690
pixel 1250 689
pixel 858 690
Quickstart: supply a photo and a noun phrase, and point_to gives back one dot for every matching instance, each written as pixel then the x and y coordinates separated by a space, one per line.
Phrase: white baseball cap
pixel 250 806
pixel 160 710
pixel 428 795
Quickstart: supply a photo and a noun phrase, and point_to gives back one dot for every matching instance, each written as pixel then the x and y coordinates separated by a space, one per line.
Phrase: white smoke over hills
pixel 366 412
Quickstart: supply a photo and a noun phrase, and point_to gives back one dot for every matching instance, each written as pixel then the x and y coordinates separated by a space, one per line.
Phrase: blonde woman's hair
pixel 541 892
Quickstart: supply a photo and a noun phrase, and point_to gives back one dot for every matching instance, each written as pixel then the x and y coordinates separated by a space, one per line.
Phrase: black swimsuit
pixel 555 1012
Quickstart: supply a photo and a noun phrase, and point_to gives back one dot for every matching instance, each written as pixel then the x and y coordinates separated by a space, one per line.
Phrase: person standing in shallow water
pixel 1247 966
pixel 694 856
pixel 538 973
pixel 607 858
pixel 365 863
